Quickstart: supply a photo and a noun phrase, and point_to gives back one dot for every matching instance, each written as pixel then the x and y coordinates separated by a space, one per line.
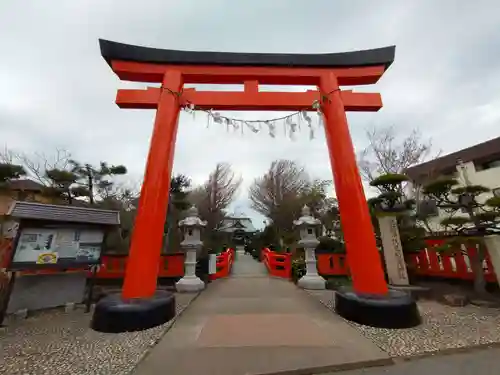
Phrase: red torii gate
pixel 173 69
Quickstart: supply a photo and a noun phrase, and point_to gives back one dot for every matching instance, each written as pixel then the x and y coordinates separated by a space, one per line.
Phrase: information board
pixel 61 247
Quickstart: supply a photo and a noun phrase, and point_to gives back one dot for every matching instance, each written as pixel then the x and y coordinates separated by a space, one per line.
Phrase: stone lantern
pixel 191 228
pixel 307 226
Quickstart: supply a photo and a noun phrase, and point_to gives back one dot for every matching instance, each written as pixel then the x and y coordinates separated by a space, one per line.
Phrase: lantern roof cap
pixel 192 219
pixel 306 219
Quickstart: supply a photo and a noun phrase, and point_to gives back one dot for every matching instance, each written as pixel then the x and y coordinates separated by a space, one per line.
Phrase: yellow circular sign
pixel 47 258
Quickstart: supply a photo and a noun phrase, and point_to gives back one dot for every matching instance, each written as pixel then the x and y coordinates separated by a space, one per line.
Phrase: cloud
pixel 56 91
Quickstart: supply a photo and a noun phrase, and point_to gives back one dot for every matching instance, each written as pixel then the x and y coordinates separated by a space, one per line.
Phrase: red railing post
pixel 224 264
pixel 279 265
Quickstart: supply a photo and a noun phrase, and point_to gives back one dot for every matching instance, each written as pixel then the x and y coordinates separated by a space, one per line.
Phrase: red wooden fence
pixel 455 265
pixel 5 252
pixel 332 264
pixel 224 264
pixel 112 266
pixel 427 262
pixel 279 265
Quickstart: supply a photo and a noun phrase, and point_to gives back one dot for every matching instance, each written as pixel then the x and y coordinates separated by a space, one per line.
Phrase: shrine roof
pixel 60 213
pixel 480 153
pixel 126 52
pixel 229 225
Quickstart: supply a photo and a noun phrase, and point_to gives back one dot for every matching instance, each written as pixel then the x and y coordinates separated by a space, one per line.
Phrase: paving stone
pixel 250 324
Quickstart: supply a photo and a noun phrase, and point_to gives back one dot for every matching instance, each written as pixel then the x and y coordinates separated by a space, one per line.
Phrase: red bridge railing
pixel 224 264
pixel 279 265
pixel 427 262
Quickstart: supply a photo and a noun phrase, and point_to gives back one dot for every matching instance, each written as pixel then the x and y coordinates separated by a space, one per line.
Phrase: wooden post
pixel 362 253
pixel 147 238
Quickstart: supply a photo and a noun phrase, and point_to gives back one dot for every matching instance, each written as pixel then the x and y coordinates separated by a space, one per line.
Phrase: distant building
pixel 21 190
pixel 476 165
pixel 239 227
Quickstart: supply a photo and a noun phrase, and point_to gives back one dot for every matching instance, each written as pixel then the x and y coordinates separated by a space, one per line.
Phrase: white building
pixel 476 165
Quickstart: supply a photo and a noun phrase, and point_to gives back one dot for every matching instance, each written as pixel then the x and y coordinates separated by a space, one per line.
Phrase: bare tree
pixel 324 207
pixel 387 153
pixel 284 189
pixel 216 194
pixel 7 156
pixel 38 163
pixel 65 178
pixel 277 194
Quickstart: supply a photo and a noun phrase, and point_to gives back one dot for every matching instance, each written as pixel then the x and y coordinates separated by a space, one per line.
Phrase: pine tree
pixel 95 182
pixel 470 217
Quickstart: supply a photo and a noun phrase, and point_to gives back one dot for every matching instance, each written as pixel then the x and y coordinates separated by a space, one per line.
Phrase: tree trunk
pixel 476 263
pixel 90 182
pixel 70 197
pixel 476 257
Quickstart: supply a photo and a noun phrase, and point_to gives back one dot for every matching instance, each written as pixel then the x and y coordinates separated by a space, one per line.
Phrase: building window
pixel 427 208
pixel 496 192
pixel 451 174
pixel 489 165
pixel 494 164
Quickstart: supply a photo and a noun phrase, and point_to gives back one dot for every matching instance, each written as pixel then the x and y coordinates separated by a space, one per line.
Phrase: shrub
pixel 330 245
pixel 298 269
pixel 256 253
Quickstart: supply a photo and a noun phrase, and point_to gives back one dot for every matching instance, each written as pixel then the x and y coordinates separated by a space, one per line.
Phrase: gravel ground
pixel 57 343
pixel 443 327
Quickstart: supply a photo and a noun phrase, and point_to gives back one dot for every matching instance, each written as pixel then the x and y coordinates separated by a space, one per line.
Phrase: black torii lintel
pixel 373 57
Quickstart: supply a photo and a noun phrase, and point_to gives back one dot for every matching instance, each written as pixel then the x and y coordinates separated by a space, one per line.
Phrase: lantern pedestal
pixel 189 284
pixel 394 310
pixel 113 314
pixel 311 280
pixel 191 226
pixel 308 226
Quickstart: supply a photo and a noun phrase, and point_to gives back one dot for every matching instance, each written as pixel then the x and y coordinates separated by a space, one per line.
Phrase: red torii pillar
pixel 173 69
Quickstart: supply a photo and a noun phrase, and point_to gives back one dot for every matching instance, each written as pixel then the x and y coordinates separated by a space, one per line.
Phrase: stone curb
pixel 152 345
pixel 448 351
pixel 333 368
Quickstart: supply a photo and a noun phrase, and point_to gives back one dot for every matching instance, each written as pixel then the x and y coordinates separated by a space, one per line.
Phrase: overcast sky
pixel 57 92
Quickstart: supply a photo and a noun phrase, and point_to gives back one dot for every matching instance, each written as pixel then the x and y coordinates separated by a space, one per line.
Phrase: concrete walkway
pixel 251 323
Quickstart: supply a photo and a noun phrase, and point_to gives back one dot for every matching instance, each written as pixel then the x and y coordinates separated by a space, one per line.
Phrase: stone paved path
pixel 251 323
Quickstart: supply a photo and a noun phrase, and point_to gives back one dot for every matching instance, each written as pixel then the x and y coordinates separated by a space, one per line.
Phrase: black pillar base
pixel 395 310
pixel 112 314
